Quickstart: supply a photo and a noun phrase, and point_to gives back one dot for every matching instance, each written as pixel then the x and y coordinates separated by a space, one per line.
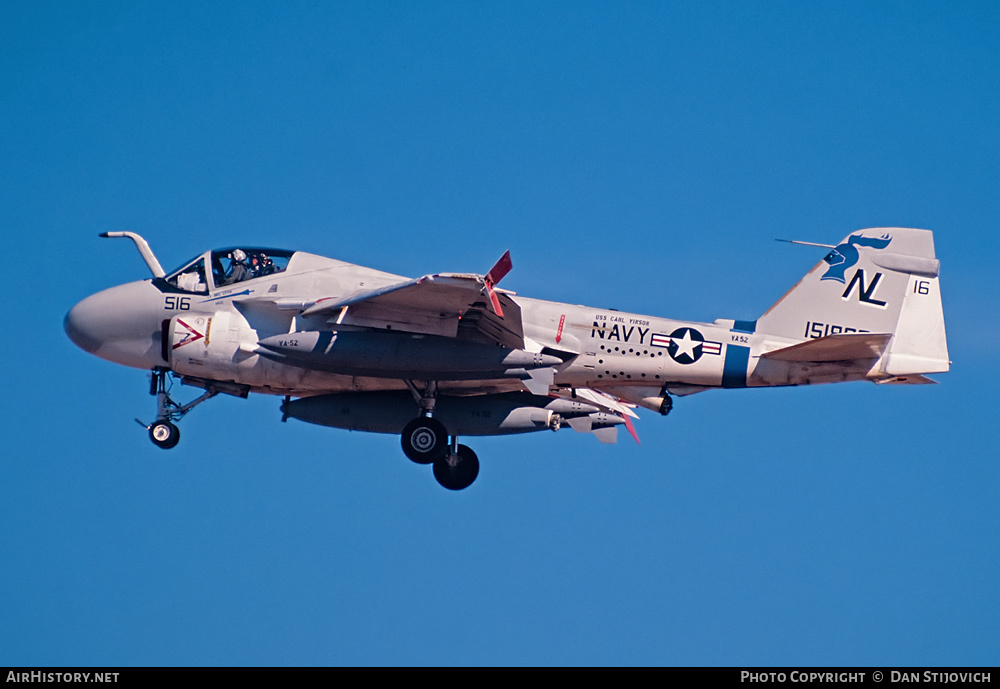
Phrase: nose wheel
pixel 164 434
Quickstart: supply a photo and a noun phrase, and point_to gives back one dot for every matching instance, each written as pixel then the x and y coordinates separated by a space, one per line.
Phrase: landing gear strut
pixel 163 432
pixel 425 441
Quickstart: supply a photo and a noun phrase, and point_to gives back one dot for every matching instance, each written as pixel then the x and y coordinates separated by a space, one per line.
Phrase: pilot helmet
pixel 239 256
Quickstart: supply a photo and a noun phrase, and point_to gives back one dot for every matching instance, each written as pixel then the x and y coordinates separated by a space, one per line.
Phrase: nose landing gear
pixel 163 431
pixel 164 434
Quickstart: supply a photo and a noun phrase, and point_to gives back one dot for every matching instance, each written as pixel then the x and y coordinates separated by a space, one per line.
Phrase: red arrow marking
pixel 562 321
pixel 191 336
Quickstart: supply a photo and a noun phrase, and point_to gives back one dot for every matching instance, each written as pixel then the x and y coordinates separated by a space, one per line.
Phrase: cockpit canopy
pixel 227 267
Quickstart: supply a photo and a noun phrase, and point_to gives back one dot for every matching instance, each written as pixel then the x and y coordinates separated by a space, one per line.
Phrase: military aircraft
pixel 452 354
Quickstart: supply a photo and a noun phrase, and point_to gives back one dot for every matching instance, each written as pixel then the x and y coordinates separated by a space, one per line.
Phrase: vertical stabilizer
pixel 882 280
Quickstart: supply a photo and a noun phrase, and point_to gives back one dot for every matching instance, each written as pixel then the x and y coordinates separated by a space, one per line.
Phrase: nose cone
pixel 79 325
pixel 121 324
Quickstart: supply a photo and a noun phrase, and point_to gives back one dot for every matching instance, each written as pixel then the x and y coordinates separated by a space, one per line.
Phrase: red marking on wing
pixel 496 274
pixel 562 322
pixel 495 300
pixel 499 270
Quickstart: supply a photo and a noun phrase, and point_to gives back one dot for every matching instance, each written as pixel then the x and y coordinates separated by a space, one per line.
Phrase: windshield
pixel 228 267
pixel 190 278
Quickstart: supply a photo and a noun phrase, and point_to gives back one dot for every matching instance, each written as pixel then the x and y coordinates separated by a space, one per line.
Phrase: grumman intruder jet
pixel 452 355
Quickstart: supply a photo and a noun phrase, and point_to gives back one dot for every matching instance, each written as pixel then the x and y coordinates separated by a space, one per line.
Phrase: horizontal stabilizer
pixel 907 380
pixel 841 347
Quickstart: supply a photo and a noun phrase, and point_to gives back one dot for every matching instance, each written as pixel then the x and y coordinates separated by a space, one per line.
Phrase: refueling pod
pixel 500 414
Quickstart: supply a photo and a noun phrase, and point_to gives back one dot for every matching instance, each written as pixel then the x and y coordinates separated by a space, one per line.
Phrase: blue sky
pixel 641 156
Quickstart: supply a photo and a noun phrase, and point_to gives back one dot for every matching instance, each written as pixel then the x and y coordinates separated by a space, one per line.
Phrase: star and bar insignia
pixel 685 345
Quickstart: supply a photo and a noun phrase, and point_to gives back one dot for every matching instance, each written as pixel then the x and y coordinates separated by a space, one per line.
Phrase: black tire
pixel 164 434
pixel 424 440
pixel 462 474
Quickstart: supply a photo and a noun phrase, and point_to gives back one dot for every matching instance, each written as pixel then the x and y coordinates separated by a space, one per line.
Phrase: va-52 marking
pixel 451 354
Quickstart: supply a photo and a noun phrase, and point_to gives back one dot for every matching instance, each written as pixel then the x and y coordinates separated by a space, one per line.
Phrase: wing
pixel 461 305
pixel 448 304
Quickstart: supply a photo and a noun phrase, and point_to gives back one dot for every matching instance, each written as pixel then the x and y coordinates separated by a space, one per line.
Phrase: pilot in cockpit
pixel 267 265
pixel 238 269
pixel 260 265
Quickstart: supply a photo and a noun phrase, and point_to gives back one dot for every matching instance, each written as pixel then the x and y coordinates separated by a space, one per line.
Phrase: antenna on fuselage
pixel 795 241
pixel 144 251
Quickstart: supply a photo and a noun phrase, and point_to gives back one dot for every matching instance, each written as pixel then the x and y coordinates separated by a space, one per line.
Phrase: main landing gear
pixel 425 441
pixel 458 468
pixel 163 432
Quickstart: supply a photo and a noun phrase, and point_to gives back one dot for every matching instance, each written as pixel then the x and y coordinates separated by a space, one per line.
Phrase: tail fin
pixel 882 280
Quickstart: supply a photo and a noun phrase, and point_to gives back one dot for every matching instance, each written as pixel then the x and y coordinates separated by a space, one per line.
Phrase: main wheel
pixel 457 471
pixel 164 434
pixel 424 440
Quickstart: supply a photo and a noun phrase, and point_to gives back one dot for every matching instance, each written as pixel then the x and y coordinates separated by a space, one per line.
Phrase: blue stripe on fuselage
pixel 734 369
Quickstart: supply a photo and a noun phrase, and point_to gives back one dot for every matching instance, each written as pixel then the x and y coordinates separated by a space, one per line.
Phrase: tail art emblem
pixel 846 255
